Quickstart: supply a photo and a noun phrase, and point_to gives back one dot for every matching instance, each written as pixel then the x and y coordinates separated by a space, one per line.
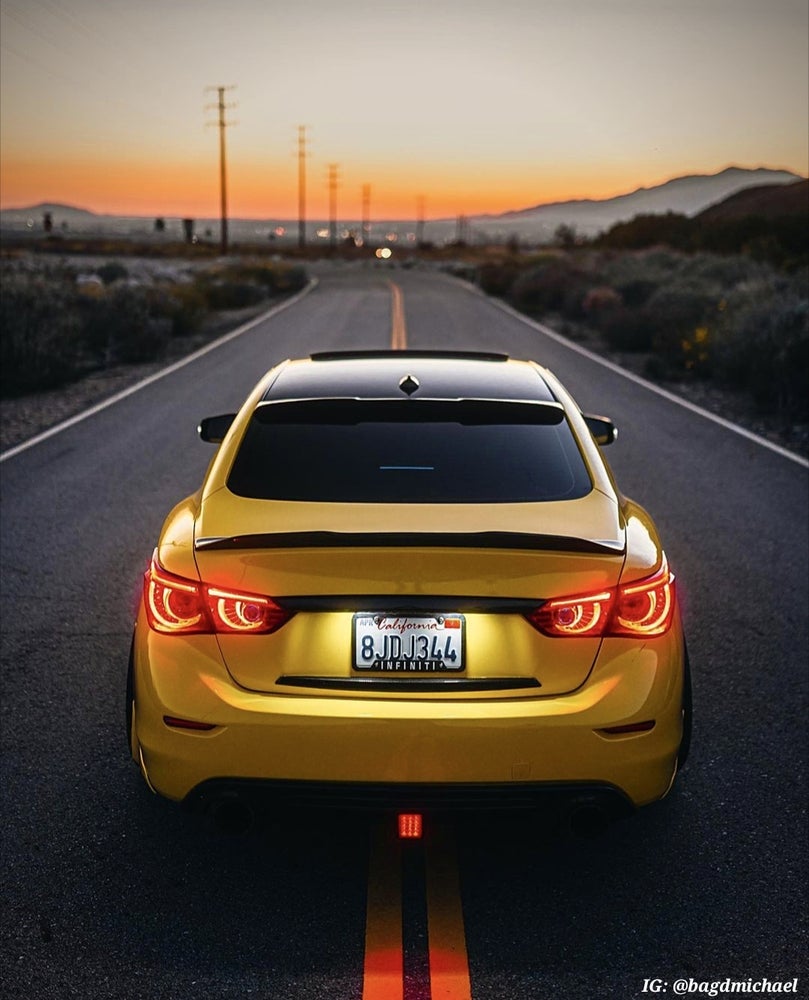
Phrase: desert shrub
pixel 599 302
pixel 41 345
pixel 184 305
pixel 724 272
pixel 627 329
pixel 118 327
pixel 497 277
pixel 652 267
pixel 548 287
pixel 763 346
pixel 636 292
pixel 291 278
pixel 224 294
pixel 273 278
pixel 111 272
pixel 674 313
pixel 671 229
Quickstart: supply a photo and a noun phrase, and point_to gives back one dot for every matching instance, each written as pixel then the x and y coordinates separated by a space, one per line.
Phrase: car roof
pixel 398 374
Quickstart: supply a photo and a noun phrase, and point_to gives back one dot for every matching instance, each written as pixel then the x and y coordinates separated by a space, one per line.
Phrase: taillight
pixel 574 616
pixel 233 612
pixel 646 607
pixel 173 605
pixel 642 609
pixel 177 606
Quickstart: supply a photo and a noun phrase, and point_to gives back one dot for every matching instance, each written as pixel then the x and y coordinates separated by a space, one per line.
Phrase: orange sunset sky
pixel 474 106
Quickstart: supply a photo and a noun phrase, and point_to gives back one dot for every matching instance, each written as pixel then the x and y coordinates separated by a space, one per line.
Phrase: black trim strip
pixel 411 683
pixel 406 604
pixel 409 539
pixel 409 353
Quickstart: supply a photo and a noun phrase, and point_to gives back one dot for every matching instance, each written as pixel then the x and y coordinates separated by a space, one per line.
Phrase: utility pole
pixel 366 214
pixel 220 106
pixel 333 180
pixel 420 221
pixel 462 230
pixel 301 186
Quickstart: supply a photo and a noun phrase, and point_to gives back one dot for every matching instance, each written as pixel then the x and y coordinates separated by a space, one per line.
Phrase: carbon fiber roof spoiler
pixel 409 353
pixel 407 539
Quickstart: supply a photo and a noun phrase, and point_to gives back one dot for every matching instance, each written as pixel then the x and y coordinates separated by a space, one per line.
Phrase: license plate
pixel 419 644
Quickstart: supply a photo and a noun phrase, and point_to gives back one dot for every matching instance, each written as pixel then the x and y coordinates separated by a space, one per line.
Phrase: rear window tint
pixel 358 451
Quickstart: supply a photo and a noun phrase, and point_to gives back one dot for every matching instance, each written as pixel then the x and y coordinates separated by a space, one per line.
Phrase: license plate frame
pixel 437 642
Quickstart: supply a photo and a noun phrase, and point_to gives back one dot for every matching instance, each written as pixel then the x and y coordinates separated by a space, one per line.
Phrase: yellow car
pixel 409 582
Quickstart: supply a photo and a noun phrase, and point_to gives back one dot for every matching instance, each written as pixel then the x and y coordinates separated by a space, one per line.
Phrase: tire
pixel 685 743
pixel 130 696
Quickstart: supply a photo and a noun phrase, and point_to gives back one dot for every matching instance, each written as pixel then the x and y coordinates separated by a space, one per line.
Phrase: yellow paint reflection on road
pixel 449 963
pixel 448 959
pixel 383 977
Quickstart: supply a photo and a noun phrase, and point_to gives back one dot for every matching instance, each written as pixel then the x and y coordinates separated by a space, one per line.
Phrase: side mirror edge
pixel 214 429
pixel 603 429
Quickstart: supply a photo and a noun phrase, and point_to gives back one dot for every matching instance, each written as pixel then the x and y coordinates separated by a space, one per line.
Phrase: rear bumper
pixel 494 750
pixel 435 799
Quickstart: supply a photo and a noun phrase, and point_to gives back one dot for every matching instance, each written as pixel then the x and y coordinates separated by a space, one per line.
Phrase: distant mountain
pixel 769 201
pixel 687 195
pixel 68 212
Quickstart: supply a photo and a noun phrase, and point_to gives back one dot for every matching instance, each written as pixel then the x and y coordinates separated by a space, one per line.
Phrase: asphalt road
pixel 111 893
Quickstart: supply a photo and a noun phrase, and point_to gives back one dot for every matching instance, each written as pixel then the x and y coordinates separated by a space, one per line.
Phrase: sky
pixel 460 106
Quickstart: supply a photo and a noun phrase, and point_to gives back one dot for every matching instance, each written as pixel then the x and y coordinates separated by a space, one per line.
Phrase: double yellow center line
pixel 383 977
pixel 398 329
pixel 383 974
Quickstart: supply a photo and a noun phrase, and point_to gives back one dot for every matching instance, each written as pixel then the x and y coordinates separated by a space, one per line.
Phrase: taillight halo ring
pixel 643 609
pixel 175 605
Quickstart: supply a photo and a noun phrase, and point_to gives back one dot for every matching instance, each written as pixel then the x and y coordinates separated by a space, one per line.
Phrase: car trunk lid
pixel 485 565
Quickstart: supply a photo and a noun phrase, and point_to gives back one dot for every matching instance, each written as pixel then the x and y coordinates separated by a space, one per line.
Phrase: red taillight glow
pixel 244 612
pixel 176 606
pixel 574 616
pixel 173 605
pixel 646 607
pixel 410 826
pixel 642 609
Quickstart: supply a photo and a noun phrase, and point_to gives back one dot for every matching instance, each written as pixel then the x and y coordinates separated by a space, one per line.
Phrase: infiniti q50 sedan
pixel 409 581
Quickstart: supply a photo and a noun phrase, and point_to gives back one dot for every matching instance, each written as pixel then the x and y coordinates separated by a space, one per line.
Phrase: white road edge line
pixel 111 400
pixel 670 396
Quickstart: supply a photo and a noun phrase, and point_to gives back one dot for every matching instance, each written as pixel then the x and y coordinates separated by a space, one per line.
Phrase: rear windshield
pixel 409 451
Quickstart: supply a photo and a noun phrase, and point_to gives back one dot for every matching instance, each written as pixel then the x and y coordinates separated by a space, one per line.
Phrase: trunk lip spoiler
pixel 411 539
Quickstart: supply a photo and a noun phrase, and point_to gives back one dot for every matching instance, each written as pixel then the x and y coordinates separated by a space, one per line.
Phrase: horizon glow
pixel 472 106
